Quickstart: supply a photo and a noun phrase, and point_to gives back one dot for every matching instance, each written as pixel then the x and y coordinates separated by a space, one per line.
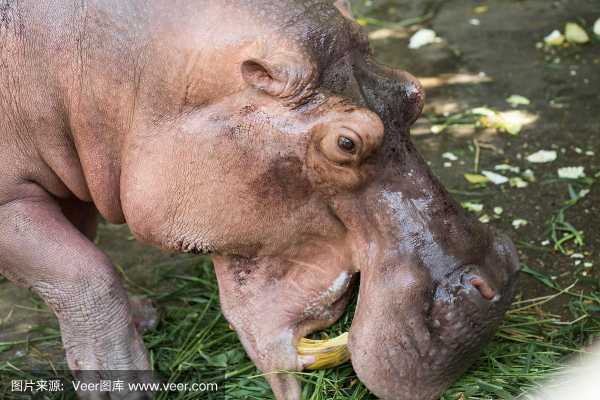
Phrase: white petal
pixel 571 172
pixel 474 207
pixel 517 223
pixel 494 177
pixel 422 38
pixel 517 100
pixel 529 175
pixel 575 33
pixel 449 156
pixel 438 128
pixel 484 219
pixel 483 111
pixel 555 38
pixel 542 156
pixel 506 167
pixel 518 182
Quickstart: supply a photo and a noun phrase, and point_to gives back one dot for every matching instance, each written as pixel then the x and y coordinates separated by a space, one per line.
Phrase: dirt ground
pixel 485 56
pixel 500 57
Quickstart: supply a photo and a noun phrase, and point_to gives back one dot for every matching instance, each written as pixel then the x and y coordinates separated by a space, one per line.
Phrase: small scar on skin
pixel 248 109
pixel 242 268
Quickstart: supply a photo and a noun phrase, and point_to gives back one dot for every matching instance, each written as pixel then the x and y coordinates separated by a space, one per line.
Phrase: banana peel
pixel 328 353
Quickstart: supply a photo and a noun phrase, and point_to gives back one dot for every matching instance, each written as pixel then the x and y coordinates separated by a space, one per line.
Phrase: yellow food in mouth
pixel 328 353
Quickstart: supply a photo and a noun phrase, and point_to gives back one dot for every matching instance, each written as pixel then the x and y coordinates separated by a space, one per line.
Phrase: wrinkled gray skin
pixel 262 132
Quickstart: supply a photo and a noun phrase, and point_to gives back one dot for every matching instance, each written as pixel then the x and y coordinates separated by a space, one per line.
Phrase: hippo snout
pixel 424 316
pixel 493 280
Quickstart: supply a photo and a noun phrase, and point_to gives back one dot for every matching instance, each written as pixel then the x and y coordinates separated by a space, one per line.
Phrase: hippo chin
pixel 259 131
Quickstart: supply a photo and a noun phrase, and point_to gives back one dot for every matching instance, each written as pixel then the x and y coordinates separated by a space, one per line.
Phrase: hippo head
pixel 274 142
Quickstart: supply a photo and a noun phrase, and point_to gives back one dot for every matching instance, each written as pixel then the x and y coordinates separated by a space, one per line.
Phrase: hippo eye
pixel 342 146
pixel 346 144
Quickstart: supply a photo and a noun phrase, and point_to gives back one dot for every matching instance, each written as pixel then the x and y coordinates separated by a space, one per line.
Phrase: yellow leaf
pixel 476 178
pixel 575 33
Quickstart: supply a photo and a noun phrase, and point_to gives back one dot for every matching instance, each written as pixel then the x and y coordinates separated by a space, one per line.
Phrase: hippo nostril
pixel 484 289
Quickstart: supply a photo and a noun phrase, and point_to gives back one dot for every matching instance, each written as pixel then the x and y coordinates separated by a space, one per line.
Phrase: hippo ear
pixel 263 76
pixel 344 7
pixel 280 78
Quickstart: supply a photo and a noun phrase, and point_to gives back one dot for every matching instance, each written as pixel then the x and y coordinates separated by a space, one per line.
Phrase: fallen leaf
pixel 449 156
pixel 438 129
pixel 516 100
pixel 518 183
pixel 495 178
pixel 476 178
pixel 483 111
pixel 571 172
pixel 528 175
pixel 506 167
pixel 506 121
pixel 386 33
pixel 517 223
pixel 542 156
pixel 474 207
pixel 480 9
pixel 575 33
pixel 423 37
pixel 555 38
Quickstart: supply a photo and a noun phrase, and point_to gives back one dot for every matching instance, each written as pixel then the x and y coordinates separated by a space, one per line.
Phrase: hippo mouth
pixel 458 304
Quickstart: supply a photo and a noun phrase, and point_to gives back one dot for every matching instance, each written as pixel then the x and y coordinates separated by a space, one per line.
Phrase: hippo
pixel 263 133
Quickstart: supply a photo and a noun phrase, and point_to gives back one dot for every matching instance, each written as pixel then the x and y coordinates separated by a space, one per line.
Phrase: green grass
pixel 531 344
pixel 194 343
pixel 562 231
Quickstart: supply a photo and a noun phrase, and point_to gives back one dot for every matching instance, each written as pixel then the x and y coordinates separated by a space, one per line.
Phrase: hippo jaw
pixel 412 340
pixel 411 336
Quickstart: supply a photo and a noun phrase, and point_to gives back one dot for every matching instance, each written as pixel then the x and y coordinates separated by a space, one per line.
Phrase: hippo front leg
pixel 40 249
pixel 272 303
